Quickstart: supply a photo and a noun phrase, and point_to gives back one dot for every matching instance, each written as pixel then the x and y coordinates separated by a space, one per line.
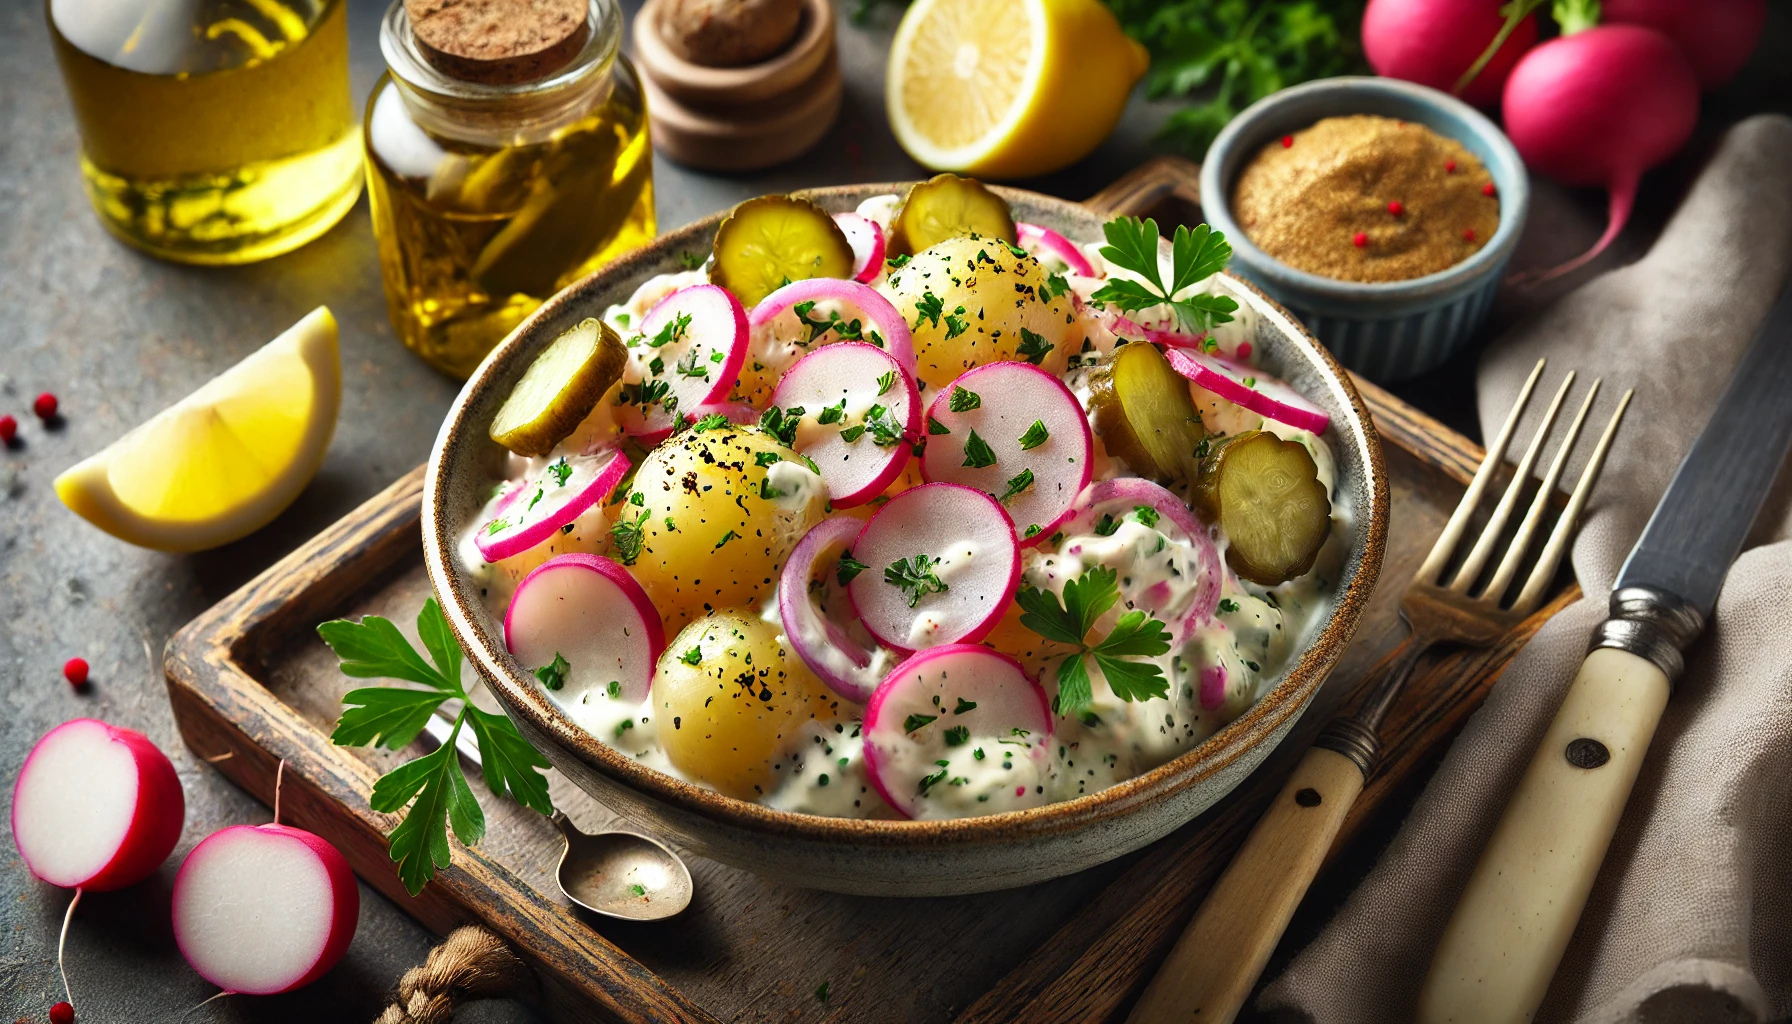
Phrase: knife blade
pixel 1513 921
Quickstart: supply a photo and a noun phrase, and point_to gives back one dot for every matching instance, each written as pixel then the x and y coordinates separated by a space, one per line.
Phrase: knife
pixel 1520 907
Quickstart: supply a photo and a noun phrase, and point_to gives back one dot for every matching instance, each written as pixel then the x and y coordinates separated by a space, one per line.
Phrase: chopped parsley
pixel 917 577
pixel 713 421
pixel 832 413
pixel 853 433
pixel 781 423
pixel 1035 436
pixel 930 308
pixel 1135 634
pixel 560 471
pixel 629 536
pixel 964 705
pixel 1055 285
pixel 763 459
pixel 671 331
pixel 496 526
pixel 614 689
pixel 849 568
pixel 977 453
pixel 1033 347
pixel 553 674
pixel 936 778
pixel 964 401
pixel 885 431
pixel 898 261
pixel 886 382
pixel 916 722
pixel 1228 606
pixel 1145 514
pixel 1018 483
pixel 1107 526
pixel 726 537
pixel 936 428
pixel 692 656
pixel 1033 530
pixel 956 323
pixel 957 736
pixel 691 260
pixel 845 330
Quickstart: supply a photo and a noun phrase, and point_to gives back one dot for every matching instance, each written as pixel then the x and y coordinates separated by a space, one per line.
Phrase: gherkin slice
pixel 948 206
pixel 770 241
pixel 1265 493
pixel 559 389
pixel 1144 414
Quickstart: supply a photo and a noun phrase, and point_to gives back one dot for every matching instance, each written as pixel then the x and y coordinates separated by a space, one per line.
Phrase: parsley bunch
pixel 391 716
pixel 1195 255
pixel 1135 634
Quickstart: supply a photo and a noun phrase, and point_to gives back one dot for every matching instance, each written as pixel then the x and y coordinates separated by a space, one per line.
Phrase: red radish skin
pixel 1600 107
pixel 874 312
pixel 1249 387
pixel 851 666
pixel 96 807
pixel 589 610
pixel 867 241
pixel 961 526
pixel 852 372
pixel 1055 252
pixel 522 520
pixel 264 909
pixel 718 325
pixel 1433 42
pixel 1012 397
pixel 1717 36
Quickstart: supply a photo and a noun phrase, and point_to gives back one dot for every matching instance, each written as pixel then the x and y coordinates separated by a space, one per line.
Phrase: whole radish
pixel 1435 42
pixel 1599 106
pixel 1717 36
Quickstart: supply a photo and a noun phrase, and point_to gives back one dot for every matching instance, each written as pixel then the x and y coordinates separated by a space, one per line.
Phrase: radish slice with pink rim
pixel 1127 328
pixel 958 730
pixel 1108 505
pixel 817 614
pixel 879 322
pixel 1262 394
pixel 688 352
pixel 874 415
pixel 1036 431
pixel 555 495
pixel 588 611
pixel 942 564
pixel 1053 250
pixel 867 241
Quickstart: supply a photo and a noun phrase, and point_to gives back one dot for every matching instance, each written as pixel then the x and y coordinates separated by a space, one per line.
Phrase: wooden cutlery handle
pixel 1213 966
pixel 1521 905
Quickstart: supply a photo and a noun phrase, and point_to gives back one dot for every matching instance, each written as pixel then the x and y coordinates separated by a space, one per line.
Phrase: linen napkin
pixel 1691 917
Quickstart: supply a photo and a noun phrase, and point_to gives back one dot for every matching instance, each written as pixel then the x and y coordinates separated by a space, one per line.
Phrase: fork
pixel 1215 963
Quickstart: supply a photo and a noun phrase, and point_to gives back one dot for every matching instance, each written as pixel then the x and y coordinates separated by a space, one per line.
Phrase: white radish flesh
pixel 688 352
pixel 1262 394
pixel 867 241
pixel 554 496
pixel 873 415
pixel 1055 252
pixel 96 807
pixel 588 611
pixel 956 731
pixel 264 909
pixel 816 613
pixel 942 563
pixel 822 300
pixel 1036 431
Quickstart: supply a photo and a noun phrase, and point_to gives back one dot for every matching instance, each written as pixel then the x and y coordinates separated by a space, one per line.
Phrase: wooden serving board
pixel 251 684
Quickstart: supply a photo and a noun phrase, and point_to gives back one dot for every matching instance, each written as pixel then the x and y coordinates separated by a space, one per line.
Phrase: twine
pixel 472 964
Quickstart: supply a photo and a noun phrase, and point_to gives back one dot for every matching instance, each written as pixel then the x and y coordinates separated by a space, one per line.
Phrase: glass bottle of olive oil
pixel 488 198
pixel 212 131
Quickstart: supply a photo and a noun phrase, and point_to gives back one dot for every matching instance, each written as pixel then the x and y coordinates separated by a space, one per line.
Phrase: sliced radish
pixel 817 613
pixel 96 807
pixel 587 616
pixel 942 562
pixel 1188 596
pixel 688 352
pixel 1033 427
pixel 550 499
pixel 1126 328
pixel 1056 252
pixel 820 300
pixel 263 909
pixel 873 415
pixel 1262 394
pixel 958 730
pixel 867 241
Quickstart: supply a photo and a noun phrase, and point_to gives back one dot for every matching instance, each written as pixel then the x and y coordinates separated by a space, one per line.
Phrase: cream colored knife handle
pixel 1513 922
pixel 1209 973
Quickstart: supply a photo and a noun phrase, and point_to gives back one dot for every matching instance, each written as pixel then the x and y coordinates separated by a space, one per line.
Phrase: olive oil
pixel 212 131
pixel 488 199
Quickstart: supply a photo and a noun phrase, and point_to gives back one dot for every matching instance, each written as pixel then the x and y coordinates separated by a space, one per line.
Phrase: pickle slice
pixel 1144 414
pixel 560 389
pixel 1265 493
pixel 947 206
pixel 768 242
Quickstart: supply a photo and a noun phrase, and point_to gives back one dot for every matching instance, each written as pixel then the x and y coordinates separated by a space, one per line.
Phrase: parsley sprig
pixel 432 786
pixel 1194 256
pixel 1135 634
pixel 917 577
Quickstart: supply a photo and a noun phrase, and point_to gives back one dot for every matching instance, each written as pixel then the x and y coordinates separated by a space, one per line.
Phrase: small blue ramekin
pixel 1386 331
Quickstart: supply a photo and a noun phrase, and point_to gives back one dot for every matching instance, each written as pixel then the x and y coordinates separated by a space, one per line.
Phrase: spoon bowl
pixel 621 874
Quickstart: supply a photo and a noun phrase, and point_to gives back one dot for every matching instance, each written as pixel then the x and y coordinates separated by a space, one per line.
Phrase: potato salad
pixel 910 512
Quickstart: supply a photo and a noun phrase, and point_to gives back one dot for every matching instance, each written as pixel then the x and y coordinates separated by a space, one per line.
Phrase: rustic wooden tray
pixel 251 685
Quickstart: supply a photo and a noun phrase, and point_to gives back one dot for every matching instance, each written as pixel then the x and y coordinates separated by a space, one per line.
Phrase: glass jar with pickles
pixel 489 197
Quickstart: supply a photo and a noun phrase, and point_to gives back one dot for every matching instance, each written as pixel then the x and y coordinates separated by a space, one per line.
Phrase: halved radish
pixel 1185 597
pixel 688 352
pixel 817 613
pixel 550 499
pixel 859 416
pixel 820 301
pixel 958 730
pixel 1262 394
pixel 941 564
pixel 867 241
pixel 263 909
pixel 1056 252
pixel 1016 433
pixel 96 807
pixel 586 621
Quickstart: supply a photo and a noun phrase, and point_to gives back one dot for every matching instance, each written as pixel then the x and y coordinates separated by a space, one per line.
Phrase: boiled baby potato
pixel 559 389
pixel 972 300
pixel 732 697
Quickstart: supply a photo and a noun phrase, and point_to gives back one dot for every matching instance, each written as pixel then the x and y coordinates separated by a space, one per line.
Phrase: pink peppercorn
pixel 9 429
pixel 1468 234
pixel 75 671
pixel 1487 189
pixel 1287 142
pixel 1396 207
pixel 44 406
pixel 62 1013
pixel 1360 239
pixel 1449 167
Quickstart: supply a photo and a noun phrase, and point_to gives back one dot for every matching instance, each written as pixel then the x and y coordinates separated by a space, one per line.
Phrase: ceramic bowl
pixel 1385 330
pixel 893 858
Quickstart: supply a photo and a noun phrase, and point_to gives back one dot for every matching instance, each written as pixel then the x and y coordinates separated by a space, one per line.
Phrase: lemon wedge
pixel 222 462
pixel 1008 88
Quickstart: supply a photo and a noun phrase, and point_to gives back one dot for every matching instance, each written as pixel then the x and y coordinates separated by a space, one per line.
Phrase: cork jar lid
pixel 499 42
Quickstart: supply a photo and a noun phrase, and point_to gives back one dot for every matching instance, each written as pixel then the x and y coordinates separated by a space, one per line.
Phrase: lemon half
pixel 1008 88
pixel 222 462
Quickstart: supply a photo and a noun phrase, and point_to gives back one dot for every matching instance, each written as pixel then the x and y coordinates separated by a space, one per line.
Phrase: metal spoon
pixel 616 874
